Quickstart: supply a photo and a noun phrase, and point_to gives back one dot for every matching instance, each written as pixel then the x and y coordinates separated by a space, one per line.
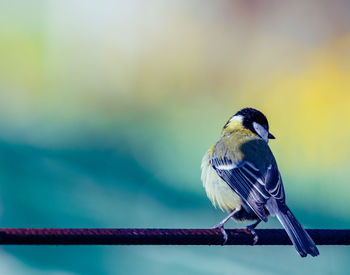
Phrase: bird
pixel 240 175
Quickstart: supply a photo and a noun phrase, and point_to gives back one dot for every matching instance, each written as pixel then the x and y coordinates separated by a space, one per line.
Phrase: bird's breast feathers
pixel 218 191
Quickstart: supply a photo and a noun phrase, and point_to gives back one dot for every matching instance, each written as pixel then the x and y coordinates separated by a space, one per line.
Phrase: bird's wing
pixel 246 180
pixel 254 186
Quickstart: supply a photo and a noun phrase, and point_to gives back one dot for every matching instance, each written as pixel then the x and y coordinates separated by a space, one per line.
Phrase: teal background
pixel 107 107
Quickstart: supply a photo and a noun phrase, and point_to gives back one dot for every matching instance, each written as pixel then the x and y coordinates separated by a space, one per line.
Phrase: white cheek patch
pixel 262 132
pixel 238 118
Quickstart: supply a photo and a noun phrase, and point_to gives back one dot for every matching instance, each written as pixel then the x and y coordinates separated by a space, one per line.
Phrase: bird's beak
pixel 271 136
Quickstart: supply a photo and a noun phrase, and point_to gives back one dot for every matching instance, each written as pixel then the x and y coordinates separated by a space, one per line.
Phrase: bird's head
pixel 250 119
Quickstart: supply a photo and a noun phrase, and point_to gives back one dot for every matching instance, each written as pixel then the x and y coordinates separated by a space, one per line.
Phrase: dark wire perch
pixel 81 236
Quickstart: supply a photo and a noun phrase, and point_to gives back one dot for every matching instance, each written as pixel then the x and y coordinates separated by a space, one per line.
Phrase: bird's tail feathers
pixel 298 235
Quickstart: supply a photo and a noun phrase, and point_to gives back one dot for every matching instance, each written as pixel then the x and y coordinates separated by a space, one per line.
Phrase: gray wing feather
pixel 274 183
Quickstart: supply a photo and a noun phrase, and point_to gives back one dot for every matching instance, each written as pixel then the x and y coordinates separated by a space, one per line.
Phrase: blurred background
pixel 107 107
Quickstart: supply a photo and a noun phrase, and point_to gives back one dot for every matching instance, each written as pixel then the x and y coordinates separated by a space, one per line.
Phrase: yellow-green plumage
pixel 218 191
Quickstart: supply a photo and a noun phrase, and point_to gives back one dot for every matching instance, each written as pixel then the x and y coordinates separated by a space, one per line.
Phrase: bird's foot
pixel 251 230
pixel 222 229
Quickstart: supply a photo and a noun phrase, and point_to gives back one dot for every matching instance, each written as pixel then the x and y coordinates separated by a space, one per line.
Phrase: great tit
pixel 240 175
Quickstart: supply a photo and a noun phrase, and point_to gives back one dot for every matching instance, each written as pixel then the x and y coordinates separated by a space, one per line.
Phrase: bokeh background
pixel 107 107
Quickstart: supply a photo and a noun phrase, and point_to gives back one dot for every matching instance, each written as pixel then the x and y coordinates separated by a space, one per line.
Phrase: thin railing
pixel 82 236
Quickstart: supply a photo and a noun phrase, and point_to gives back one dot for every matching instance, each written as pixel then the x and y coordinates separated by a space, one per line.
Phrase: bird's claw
pixel 223 231
pixel 252 231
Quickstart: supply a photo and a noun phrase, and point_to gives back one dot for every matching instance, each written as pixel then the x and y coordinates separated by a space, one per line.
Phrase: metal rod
pixel 81 236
